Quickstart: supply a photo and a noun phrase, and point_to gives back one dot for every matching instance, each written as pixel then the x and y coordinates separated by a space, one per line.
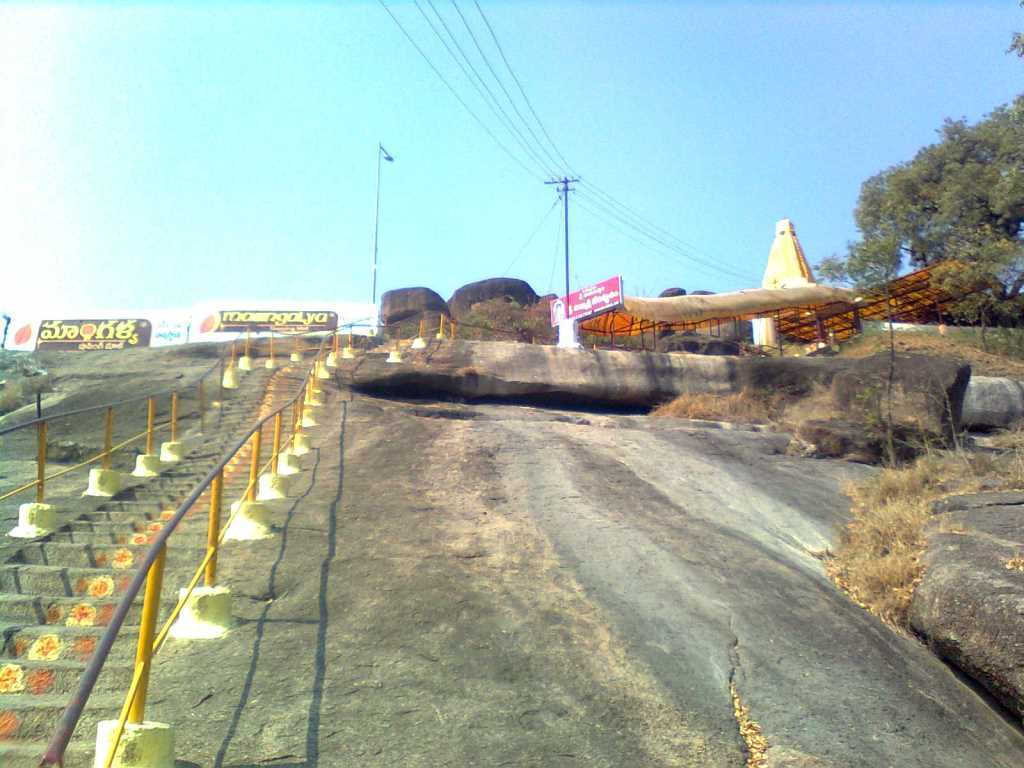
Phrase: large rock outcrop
pixel 603 378
pixel 509 288
pixel 993 402
pixel 403 303
pixel 968 606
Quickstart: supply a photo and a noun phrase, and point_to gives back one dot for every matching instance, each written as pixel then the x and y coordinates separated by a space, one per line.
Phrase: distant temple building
pixel 787 268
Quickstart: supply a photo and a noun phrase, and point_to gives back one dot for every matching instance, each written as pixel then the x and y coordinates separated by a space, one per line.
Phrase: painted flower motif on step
pixel 45 648
pixel 154 527
pixel 9 724
pixel 101 559
pixel 40 681
pixel 12 678
pixel 82 615
pixel 84 647
pixel 20 645
pixel 54 614
pixel 123 558
pixel 101 586
pixel 139 538
pixel 105 614
pixel 167 514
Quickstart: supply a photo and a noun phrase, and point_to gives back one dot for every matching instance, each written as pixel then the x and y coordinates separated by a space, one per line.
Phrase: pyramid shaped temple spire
pixel 787 266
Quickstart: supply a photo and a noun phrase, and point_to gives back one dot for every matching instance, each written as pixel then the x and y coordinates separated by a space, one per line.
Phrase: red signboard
pixel 588 302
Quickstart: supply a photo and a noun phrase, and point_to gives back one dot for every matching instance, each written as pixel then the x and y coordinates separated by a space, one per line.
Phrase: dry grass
pixel 958 344
pixel 736 407
pixel 878 562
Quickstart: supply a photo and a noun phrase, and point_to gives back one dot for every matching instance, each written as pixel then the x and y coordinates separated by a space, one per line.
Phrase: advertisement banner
pixel 91 335
pixel 588 302
pixel 275 321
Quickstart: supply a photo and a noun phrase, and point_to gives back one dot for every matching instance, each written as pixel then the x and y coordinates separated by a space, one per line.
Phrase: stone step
pixel 90 555
pixel 60 677
pixel 26 754
pixel 32 718
pixel 48 643
pixel 55 580
pixel 29 610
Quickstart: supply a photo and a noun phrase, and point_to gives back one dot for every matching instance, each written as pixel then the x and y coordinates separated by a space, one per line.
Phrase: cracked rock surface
pixel 495 585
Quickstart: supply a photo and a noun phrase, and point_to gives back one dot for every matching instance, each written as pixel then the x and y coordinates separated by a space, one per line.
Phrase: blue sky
pixel 154 155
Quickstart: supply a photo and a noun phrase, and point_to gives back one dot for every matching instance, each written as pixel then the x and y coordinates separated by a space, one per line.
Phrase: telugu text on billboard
pixel 92 335
pixel 298 321
pixel 588 302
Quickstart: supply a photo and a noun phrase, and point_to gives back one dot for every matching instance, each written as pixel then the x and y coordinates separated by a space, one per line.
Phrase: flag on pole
pixel 387 157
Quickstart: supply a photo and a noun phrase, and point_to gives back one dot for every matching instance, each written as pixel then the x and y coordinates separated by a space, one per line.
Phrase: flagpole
pixel 376 229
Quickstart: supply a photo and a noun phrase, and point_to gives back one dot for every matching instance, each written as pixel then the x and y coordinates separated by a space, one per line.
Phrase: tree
pixel 1017 44
pixel 959 203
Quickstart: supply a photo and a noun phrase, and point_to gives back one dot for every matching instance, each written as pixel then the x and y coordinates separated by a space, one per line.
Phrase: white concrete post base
pixel 172 451
pixel 206 614
pixel 419 343
pixel 103 482
pixel 143 745
pixel 245 363
pixel 300 445
pixel 348 353
pixel 295 357
pixel 272 487
pixel 252 522
pixel 270 363
pixel 568 335
pixel 322 373
pixel 34 520
pixel 288 464
pixel 230 379
pixel 147 465
pixel 332 360
pixel 308 420
pixel 394 356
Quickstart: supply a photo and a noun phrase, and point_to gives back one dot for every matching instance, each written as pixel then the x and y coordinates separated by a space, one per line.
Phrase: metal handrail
pixel 72 714
pixel 115 404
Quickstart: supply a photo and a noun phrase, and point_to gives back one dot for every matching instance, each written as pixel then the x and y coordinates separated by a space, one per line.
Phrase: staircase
pixel 58 594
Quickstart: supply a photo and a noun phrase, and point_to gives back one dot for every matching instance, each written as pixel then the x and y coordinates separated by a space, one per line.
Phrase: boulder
pixel 508 288
pixel 993 402
pixel 928 391
pixel 612 378
pixel 403 303
pixel 968 604
pixel 669 293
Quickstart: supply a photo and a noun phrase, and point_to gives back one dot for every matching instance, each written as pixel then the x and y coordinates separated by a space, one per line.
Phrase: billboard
pixel 588 302
pixel 91 335
pixel 269 320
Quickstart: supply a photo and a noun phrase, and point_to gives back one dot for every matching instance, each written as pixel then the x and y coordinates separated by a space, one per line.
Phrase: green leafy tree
pixel 959 203
pixel 1017 44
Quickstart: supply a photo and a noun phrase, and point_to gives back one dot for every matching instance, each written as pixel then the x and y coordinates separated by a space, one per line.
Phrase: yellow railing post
pixel 254 467
pixel 452 323
pixel 213 529
pixel 335 344
pixel 277 443
pixel 41 462
pixel 271 349
pixel 232 353
pixel 297 417
pixel 419 334
pixel 247 344
pixel 202 408
pixel 440 332
pixel 108 438
pixel 174 416
pixel 150 421
pixel 147 631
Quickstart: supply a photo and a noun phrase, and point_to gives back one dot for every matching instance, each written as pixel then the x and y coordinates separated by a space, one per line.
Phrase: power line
pixel 658 247
pixel 501 84
pixel 453 91
pixel 654 236
pixel 519 85
pixel 529 240
pixel 479 84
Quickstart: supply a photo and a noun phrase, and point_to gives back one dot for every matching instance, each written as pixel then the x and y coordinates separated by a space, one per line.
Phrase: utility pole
pixel 568 332
pixel 381 154
pixel 565 182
